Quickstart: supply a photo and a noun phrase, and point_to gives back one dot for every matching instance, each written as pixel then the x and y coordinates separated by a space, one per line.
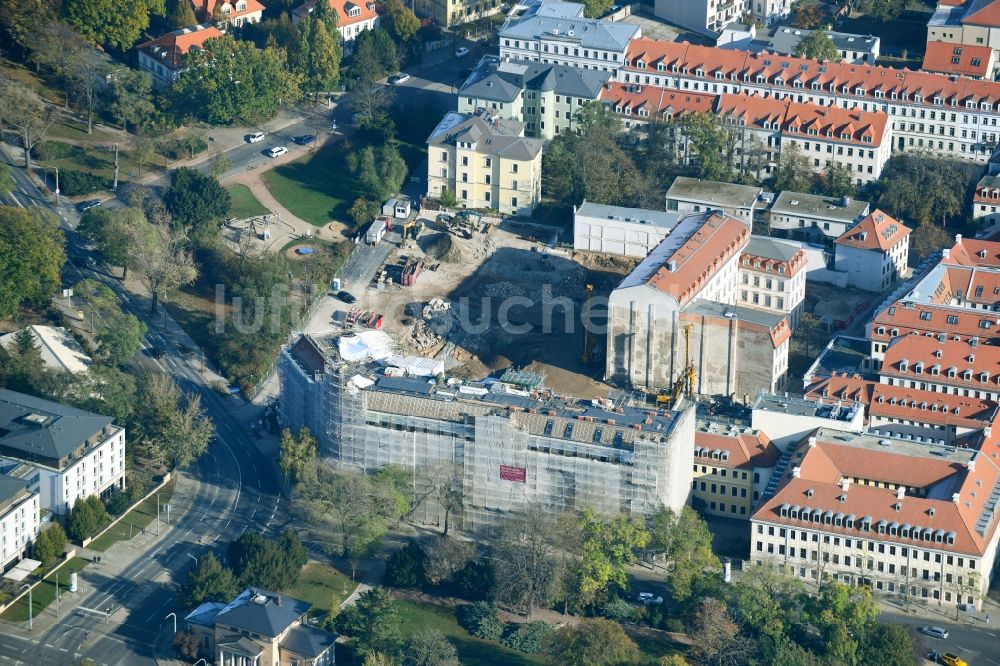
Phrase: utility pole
pixel 115 186
pixel 157 514
pixel 57 185
pixel 58 602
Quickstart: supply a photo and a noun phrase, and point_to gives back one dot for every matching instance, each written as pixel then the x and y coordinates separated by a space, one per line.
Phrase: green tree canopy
pixel 110 23
pixel 596 8
pixel 122 338
pixel 208 581
pixel 230 81
pixel 297 455
pixel 609 547
pixel 32 254
pixel 817 44
pixel 49 544
pixel 686 542
pixel 259 561
pixel 195 199
pixel 182 14
pixel 591 643
pixel 170 427
pixel 402 22
pixel 317 54
pixel 925 188
pixel 379 623
pixel 794 172
pixel 429 647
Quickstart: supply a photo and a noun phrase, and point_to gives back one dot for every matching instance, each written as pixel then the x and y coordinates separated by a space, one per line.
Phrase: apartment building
pixel 627 232
pixel 874 252
pixel 709 17
pixel 732 466
pixel 546 98
pixel 353 16
pixel 693 195
pixel 986 199
pixel 953 116
pixel 814 217
pixel 513 441
pixel 942 364
pixel 228 12
pixel 773 278
pixel 905 519
pixel 74 454
pixel 975 62
pixel 965 22
pixel 576 41
pixel 931 417
pixel 905 316
pixel 448 13
pixel 486 162
pixel 861 141
pixel 638 105
pixel 787 418
pixel 260 627
pixel 785 40
pixel 164 56
pixel 20 519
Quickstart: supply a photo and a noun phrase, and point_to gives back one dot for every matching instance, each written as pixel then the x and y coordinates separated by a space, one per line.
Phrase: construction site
pixel 483 294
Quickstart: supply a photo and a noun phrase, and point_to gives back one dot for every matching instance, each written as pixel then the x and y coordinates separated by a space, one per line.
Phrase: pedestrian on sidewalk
pixel 987 618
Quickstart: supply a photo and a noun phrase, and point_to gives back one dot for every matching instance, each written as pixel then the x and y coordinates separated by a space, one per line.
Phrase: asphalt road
pixel 237 490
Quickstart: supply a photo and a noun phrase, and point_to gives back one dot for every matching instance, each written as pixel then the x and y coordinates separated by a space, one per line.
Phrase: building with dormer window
pixel 353 16
pixel 229 12
pixel 874 252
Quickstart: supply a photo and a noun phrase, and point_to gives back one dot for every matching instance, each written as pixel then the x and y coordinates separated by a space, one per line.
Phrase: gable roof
pixel 492 135
pixel 906 316
pixel 963 59
pixel 908 352
pixel 588 33
pixel 262 612
pixel 745 449
pixel 973 252
pixel 983 12
pixel 366 10
pixel 851 388
pixel 504 81
pixel 171 48
pixel 653 101
pixel 919 406
pixel 34 428
pixel 878 231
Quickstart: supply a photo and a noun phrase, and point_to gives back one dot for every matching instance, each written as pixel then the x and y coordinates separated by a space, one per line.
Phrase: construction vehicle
pixel 411 269
pixel 411 229
pixel 685 383
pixel 588 337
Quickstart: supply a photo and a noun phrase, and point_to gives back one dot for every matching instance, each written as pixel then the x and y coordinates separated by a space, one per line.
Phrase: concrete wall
pixel 641 328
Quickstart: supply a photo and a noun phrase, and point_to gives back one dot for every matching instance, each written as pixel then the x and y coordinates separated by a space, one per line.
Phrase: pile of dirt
pixel 442 247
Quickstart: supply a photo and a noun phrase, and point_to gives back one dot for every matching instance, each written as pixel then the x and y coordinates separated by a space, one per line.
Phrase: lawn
pixel 98 160
pixel 316 187
pixel 68 129
pixel 472 651
pixel 322 586
pixel 45 593
pixel 244 203
pixel 134 521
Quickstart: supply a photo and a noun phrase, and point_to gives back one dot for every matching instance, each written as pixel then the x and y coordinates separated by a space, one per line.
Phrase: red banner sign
pixel 517 474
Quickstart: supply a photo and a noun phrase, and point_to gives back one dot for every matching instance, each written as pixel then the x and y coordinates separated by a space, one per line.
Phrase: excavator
pixel 411 229
pixel 684 384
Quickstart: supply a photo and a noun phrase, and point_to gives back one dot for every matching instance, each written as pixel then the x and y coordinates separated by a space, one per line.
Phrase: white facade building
pixel 874 252
pixel 813 217
pixel 20 519
pixel 577 41
pixel 628 232
pixel 773 277
pixel 691 195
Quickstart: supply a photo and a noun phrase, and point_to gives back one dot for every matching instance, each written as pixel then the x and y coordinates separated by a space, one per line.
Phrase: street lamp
pixel 173 615
pixel 31 619
pixel 200 661
pixel 193 558
pixel 56 192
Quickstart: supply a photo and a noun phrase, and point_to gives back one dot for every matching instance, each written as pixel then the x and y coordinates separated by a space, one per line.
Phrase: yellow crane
pixel 684 383
pixel 588 337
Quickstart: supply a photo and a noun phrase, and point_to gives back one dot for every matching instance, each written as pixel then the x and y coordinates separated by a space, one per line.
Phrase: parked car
pixel 84 206
pixel 255 137
pixel 347 297
pixel 156 352
pixel 461 52
pixel 396 79
pixel 305 139
pixel 949 659
pixel 277 151
pixel 935 632
pixel 648 598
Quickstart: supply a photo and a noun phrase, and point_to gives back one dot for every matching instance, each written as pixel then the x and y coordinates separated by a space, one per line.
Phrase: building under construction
pixel 511 441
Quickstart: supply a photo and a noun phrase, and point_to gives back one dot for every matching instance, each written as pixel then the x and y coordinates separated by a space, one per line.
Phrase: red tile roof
pixel 960 59
pixel 972 252
pixel 173 46
pixel 907 317
pixel 878 231
pixel 987 15
pixel 746 450
pixel 714 64
pixel 987 191
pixel 938 360
pixel 969 284
pixel 205 8
pixel 343 9
pixel 847 388
pixel 931 407
pixel 655 102
pixel 700 257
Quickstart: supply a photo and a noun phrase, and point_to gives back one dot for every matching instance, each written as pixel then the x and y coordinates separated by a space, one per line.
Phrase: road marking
pixel 16 200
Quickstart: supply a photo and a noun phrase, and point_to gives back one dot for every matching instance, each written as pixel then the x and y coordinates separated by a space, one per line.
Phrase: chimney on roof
pixel 796 472
pixel 971 464
pixel 958 239
pixel 845 483
pixel 812 442
pixel 988 432
pixel 277 600
pixel 900 492
pixel 955 498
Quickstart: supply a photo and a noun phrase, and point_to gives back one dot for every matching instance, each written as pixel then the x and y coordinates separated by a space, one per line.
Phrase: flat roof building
pixel 628 232
pixel 814 217
pixel 688 195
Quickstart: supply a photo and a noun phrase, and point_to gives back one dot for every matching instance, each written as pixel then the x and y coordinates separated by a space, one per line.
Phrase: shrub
pixel 405 567
pixel 74 183
pixel 119 501
pixel 50 544
pixel 186 645
pixel 527 637
pixel 53 150
pixel 475 581
pixel 618 609
pixel 480 619
pixel 87 518
pixel 349 621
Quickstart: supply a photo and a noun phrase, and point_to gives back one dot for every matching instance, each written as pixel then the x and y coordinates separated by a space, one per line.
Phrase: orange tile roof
pixel 908 317
pixel 937 359
pixel 825 466
pixel 986 15
pixel 848 388
pixel 343 7
pixel 746 450
pixel 969 284
pixel 775 266
pixel 207 8
pixel 173 46
pixel 987 192
pixel 700 257
pixel 972 252
pixel 863 81
pixel 933 407
pixel 951 3
pixel 878 231
pixel 656 102
pixel 971 60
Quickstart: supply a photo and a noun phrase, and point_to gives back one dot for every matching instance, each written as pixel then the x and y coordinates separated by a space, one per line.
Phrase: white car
pixel 402 77
pixel 935 632
pixel 277 151
pixel 647 598
pixel 461 52
pixel 255 137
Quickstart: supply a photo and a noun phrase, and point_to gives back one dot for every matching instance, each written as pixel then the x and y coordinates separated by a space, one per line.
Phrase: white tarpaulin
pixel 417 366
pixel 375 345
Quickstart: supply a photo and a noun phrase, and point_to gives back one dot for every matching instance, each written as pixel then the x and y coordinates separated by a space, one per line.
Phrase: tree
pixel 57 47
pixel 297 455
pixel 230 81
pixel 130 98
pixel 161 259
pixel 87 517
pixel 925 188
pixel 429 647
pixel 837 181
pixel 480 619
pixel 182 14
pixel 7 183
pixel 208 581
pixel 110 231
pixel 817 44
pixel 378 659
pixel 401 21
pixel 49 544
pixel 21 19
pixel 445 556
pixel 709 138
pixel 186 644
pixel 524 562
pixel 122 338
pixel 379 627
pixel 31 257
pixel 609 547
pixel 717 640
pixel 405 567
pixel 371 104
pixel 442 483
pixel 375 55
pixel 109 23
pixel 793 172
pixel 882 10
pixel 258 561
pixel 170 426
pixel 220 165
pixel 888 644
pixel 928 238
pixel 596 8
pixel 143 152
pixel 591 643
pixel 194 199
pixel 31 118
pixel 768 603
pixel 317 56
pixel 686 543
pixel 808 14
pixel 88 74
pixel 812 331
